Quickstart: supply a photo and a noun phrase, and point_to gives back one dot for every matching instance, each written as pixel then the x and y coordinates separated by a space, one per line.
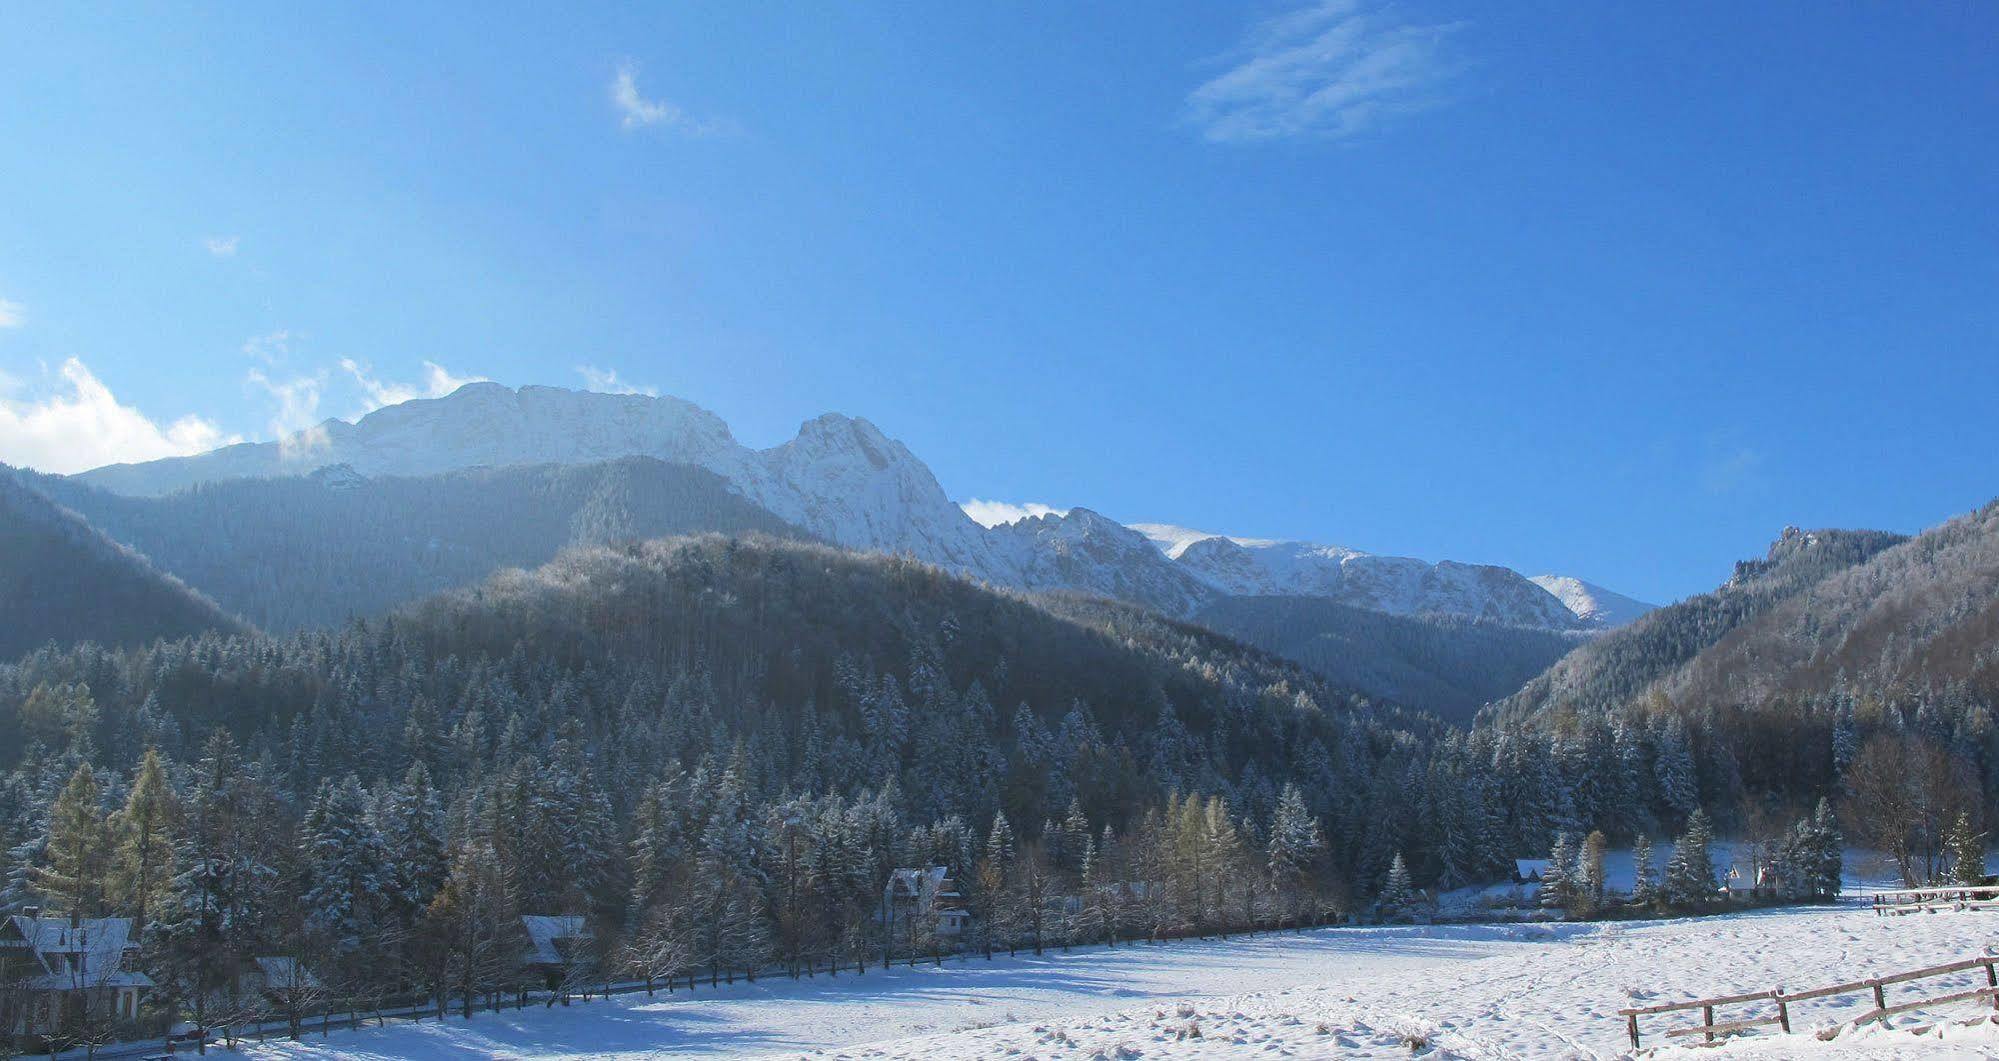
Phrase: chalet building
pixel 282 983
pixel 56 972
pixel 913 894
pixel 1529 870
pixel 558 945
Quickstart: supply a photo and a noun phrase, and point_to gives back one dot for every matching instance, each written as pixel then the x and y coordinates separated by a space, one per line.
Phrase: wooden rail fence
pixel 1711 1030
pixel 1929 900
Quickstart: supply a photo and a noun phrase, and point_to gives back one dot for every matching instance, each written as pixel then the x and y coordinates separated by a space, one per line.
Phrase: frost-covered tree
pixel 1967 852
pixel 1558 881
pixel 345 864
pixel 1291 856
pixel 1689 881
pixel 1645 874
pixel 1397 900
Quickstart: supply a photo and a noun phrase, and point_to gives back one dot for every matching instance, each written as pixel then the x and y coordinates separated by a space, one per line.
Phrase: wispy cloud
pixel 271 347
pixel 635 111
pixel 295 422
pixel 221 246
pixel 82 425
pixel 12 314
pixel 437 382
pixel 1331 70
pixel 994 513
pixel 606 381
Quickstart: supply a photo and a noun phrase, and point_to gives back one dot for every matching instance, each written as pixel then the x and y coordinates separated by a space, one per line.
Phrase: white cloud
pixel 12 314
pixel 84 426
pixel 636 112
pixel 606 381
pixel 437 382
pixel 1334 69
pixel 994 513
pixel 270 348
pixel 222 246
pixel 295 423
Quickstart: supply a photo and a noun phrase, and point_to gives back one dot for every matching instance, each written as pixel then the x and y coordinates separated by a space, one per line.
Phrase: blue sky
pixel 1609 290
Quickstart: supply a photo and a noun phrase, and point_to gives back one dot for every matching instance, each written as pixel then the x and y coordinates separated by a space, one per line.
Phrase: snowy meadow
pixel 1470 991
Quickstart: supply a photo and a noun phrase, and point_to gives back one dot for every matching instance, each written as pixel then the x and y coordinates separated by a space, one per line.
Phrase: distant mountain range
pixel 844 482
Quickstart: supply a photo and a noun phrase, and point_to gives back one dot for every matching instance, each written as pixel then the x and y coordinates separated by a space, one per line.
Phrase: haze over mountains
pixel 355 520
pixel 352 520
pixel 844 482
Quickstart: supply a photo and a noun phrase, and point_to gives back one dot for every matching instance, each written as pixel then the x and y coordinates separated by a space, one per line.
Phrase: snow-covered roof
pixel 912 882
pixel 1530 868
pixel 86 952
pixel 285 973
pixel 545 929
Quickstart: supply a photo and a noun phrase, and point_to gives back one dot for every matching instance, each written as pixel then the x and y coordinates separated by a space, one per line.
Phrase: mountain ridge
pixel 842 480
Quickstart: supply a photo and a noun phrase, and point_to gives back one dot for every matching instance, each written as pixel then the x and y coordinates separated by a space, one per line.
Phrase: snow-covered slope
pixel 1398 585
pixel 844 481
pixel 840 479
pixel 1600 608
pixel 1476 992
pixel 1084 551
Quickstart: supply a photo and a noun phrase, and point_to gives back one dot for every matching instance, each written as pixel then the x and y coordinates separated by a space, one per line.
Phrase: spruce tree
pixel 1645 875
pixel 1967 853
pixel 1558 880
pixel 1398 895
pixel 345 864
pixel 1294 848
pixel 1690 879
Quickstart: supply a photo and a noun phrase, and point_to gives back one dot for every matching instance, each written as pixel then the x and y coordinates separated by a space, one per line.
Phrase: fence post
pixel 1631 1025
pixel 1880 997
pixel 1783 1010
pixel 1707 1018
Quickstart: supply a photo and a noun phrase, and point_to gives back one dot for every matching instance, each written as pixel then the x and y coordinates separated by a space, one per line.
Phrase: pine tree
pixel 1645 875
pixel 1558 885
pixel 1673 767
pixel 1690 882
pixel 1075 836
pixel 1830 848
pixel 1398 895
pixel 78 850
pixel 345 864
pixel 1294 848
pixel 1967 853
pixel 412 829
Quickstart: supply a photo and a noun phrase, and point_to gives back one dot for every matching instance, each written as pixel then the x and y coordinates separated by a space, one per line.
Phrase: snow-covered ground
pixel 1472 991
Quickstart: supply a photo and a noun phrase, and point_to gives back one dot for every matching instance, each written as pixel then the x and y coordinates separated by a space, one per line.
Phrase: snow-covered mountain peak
pixel 1174 540
pixel 1593 604
pixel 844 480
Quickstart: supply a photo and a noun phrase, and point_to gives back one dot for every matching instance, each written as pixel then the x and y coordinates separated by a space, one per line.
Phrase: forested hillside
pixel 1913 618
pixel 719 748
pixel 62 581
pixel 1448 666
pixel 1849 663
pixel 1619 666
pixel 314 551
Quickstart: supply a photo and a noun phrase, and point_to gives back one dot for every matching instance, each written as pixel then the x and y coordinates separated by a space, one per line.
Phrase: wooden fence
pixel 1710 1029
pixel 1929 900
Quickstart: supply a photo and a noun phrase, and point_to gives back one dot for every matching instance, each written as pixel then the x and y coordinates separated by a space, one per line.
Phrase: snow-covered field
pixel 1460 991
